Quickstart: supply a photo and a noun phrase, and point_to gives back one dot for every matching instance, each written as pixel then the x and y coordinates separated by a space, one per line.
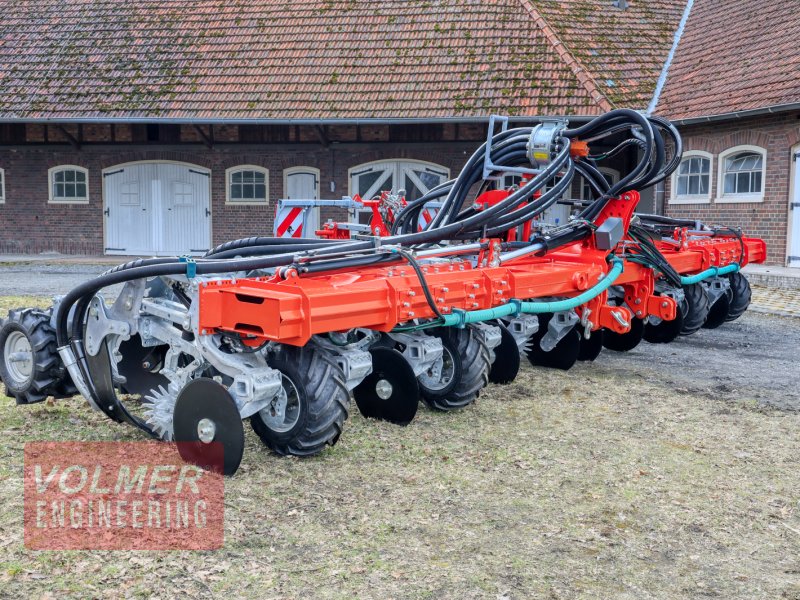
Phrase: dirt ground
pixel 668 472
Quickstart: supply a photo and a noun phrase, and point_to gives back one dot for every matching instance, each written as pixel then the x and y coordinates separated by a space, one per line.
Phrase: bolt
pixel 412 293
pixel 638 301
pixel 503 282
pixel 664 305
pixel 411 313
pixel 445 290
pixel 475 286
pixel 406 304
pixel 638 313
pixel 440 300
pixel 471 296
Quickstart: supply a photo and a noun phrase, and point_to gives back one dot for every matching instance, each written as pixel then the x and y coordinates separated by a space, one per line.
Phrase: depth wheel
pixel 563 356
pixel 208 427
pixel 697 308
pixel 741 296
pixel 30 366
pixel 625 342
pixel 473 355
pixel 590 349
pixel 308 414
pixel 391 391
pixel 506 358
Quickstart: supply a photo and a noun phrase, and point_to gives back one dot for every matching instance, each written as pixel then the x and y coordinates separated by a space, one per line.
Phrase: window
pixel 742 174
pixel 610 175
pixel 2 186
pixel 247 184
pixel 416 178
pixel 69 184
pixel 691 182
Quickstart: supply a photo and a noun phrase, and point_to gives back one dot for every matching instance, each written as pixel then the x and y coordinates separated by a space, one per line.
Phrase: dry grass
pixel 561 485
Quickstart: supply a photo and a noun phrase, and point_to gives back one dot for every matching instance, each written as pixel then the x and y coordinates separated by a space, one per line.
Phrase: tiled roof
pixel 331 59
pixel 734 56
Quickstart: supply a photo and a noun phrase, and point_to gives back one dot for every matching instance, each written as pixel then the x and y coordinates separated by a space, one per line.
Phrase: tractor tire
pixel 719 311
pixel 317 403
pixel 741 296
pixel 30 366
pixel 697 308
pixel 625 342
pixel 473 364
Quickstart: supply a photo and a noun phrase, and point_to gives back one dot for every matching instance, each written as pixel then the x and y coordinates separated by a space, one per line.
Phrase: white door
pixel 157 209
pixel 794 248
pixel 302 184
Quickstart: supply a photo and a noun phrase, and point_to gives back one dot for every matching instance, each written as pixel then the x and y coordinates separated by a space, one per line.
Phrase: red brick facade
pixel 778 135
pixel 29 224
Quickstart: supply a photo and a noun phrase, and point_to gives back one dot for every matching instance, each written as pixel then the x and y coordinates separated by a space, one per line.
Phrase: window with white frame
pixel 247 184
pixel 69 185
pixel 691 182
pixel 742 174
pixel 416 178
pixel 2 186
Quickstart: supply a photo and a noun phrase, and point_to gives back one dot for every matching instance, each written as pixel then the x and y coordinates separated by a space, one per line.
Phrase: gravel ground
pixel 47 280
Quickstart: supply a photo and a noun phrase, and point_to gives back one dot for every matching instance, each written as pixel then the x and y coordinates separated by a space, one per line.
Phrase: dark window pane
pixel 412 191
pixel 730 183
pixel 742 183
pixel 58 190
pixel 261 191
pixel 80 176
pixel 69 175
pixel 703 184
pixel 58 177
pixel 694 184
pixel 247 192
pixel 683 186
pixel 367 180
pixel 236 177
pixel 755 183
pixel 684 167
pixel 81 190
pixel 236 192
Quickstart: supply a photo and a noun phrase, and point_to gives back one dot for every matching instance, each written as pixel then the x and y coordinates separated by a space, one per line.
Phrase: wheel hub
pixel 384 389
pixel 441 372
pixel 19 353
pixel 284 411
pixel 206 430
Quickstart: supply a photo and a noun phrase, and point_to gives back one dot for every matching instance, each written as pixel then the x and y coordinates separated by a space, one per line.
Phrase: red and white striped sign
pixel 289 221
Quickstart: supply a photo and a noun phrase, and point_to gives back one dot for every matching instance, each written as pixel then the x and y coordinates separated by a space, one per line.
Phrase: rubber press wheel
pixel 741 296
pixel 590 349
pixel 208 427
pixel 718 312
pixel 309 412
pixel 563 356
pixel 697 308
pixel 390 392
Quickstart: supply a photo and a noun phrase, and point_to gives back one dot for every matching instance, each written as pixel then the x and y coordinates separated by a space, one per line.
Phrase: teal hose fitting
pixel 460 318
pixel 712 272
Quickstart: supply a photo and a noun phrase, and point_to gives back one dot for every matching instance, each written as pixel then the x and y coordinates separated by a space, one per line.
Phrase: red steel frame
pixel 292 309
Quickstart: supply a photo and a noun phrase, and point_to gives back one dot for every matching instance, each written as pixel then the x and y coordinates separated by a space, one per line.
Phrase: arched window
pixel 69 185
pixel 742 174
pixel 415 177
pixel 691 182
pixel 246 184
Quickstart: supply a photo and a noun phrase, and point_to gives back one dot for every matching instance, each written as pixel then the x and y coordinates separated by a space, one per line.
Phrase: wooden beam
pixel 71 138
pixel 205 137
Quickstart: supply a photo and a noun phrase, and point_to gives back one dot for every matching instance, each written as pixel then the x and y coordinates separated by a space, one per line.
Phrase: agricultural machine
pixel 284 331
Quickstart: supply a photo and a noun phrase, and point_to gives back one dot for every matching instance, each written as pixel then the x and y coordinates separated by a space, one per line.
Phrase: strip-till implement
pixel 284 331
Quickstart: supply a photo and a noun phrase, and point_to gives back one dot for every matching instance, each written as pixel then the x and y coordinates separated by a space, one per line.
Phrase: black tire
pixel 47 376
pixel 741 296
pixel 323 403
pixel 474 365
pixel 563 356
pixel 452 362
pixel 590 349
pixel 696 308
pixel 625 342
pixel 506 359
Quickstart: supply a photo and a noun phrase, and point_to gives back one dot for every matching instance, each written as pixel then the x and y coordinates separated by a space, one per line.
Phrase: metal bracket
pixel 559 326
pixel 99 326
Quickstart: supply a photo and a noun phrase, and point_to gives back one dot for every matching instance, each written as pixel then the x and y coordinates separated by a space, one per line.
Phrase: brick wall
pixel 28 224
pixel 778 134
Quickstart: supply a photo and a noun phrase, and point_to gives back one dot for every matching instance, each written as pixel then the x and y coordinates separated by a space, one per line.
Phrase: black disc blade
pixel 623 342
pixel 563 356
pixel 590 349
pixel 391 391
pixel 718 313
pixel 506 363
pixel 665 331
pixel 137 367
pixel 200 403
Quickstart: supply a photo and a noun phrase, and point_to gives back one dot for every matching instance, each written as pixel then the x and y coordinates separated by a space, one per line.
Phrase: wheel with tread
pixel 30 366
pixel 591 348
pixel 310 412
pixel 718 312
pixel 473 364
pixel 697 308
pixel 741 296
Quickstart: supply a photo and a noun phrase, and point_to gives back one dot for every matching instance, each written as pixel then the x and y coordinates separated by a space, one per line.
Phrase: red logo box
pixel 120 496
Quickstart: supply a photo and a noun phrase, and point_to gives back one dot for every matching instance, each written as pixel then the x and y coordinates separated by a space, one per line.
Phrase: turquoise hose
pixel 712 272
pixel 459 318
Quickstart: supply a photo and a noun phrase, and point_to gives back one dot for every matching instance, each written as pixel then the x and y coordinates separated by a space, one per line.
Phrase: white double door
pixel 157 209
